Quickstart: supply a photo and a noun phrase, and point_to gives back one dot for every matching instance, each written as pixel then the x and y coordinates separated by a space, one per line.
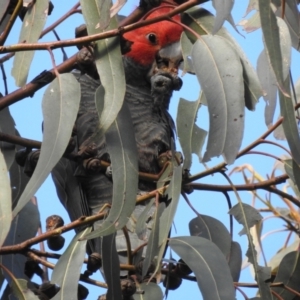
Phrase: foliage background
pixel 28 118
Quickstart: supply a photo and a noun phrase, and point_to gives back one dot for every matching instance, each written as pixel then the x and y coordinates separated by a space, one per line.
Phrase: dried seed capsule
pixel 128 287
pixel 49 289
pixel 82 292
pixel 182 269
pixel 94 262
pixel 32 267
pixel 172 281
pixel 54 222
pixel 55 243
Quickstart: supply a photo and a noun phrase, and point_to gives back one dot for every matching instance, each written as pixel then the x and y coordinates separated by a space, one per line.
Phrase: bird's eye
pixel 152 38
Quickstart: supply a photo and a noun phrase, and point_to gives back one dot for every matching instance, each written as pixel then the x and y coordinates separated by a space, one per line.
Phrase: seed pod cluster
pixel 55 243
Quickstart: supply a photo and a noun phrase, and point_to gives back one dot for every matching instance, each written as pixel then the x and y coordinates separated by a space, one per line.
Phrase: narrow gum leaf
pixel 219 71
pixel 60 107
pixel 109 64
pixel 67 270
pixel 32 27
pixel 272 42
pixel 5 201
pixel 214 285
pixel 121 145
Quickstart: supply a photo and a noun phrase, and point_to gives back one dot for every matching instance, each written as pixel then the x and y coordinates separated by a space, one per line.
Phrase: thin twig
pixel 99 36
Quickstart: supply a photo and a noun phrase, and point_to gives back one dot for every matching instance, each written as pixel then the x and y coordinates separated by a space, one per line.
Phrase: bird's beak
pixel 169 58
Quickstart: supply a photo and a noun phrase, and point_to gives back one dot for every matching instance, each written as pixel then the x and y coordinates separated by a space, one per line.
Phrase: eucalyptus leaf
pixel 7 126
pixel 219 71
pixel 19 233
pixel 111 267
pixel 121 146
pixel 191 136
pixel 202 21
pixel 186 48
pixel 5 201
pixel 153 242
pixel 32 27
pixel 289 123
pixel 223 12
pixel 141 224
pixel 109 64
pixel 213 230
pixel 271 35
pixel 289 274
pixel 67 270
pixel 21 290
pixel 167 216
pixel 60 107
pixel 291 17
pixel 235 261
pixel 206 260
pixel 268 83
pixel 248 217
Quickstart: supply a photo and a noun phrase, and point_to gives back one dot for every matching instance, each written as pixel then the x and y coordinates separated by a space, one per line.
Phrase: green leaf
pixel 60 107
pixel 202 21
pixel 276 260
pixel 213 230
pixel 111 267
pixel 191 136
pixel 268 82
pixel 153 242
pixel 289 274
pixel 235 261
pixel 67 270
pixel 223 13
pixel 271 35
pixel 141 224
pixel 21 290
pixel 291 17
pixel 151 291
pixel 7 126
pixel 121 146
pixel 167 216
pixel 32 27
pixel 186 48
pixel 19 233
pixel 219 71
pixel 109 64
pixel 248 217
pixel 293 171
pixel 5 201
pixel 206 260
pixel 289 123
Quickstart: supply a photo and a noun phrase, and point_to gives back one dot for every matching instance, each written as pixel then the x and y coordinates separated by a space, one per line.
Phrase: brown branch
pixel 265 185
pixel 37 83
pixel 83 221
pixel 222 166
pixel 242 187
pixel 17 140
pixel 99 36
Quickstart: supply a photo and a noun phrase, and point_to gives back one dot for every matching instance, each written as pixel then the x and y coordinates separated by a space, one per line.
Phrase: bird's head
pixel 147 41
